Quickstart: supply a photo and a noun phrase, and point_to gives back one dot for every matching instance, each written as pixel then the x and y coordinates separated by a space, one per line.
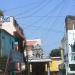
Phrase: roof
pixel 30 43
pixel 55 57
pixel 71 17
pixel 6 32
pixel 33 42
pixel 40 60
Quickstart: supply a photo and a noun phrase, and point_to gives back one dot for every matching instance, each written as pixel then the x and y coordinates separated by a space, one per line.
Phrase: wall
pixel 7 42
pixel 55 64
pixel 9 25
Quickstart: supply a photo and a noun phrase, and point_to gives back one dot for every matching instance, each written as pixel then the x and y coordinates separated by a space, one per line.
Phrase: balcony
pixel 19 32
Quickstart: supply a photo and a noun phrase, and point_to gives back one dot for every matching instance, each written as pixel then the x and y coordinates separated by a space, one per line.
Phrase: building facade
pixel 34 48
pixel 6 42
pixel 54 65
pixel 68 45
pixel 12 43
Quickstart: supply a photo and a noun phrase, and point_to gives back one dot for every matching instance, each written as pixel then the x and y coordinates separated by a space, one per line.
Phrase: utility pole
pixel 1 16
pixel 25 56
pixel 27 63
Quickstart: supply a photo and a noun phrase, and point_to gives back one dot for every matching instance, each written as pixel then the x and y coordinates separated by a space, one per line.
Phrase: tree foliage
pixel 55 52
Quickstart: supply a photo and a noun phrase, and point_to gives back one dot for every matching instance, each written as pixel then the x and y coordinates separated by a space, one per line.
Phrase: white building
pixel 68 45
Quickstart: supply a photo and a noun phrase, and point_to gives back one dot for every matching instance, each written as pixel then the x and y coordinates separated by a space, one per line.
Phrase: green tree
pixel 55 52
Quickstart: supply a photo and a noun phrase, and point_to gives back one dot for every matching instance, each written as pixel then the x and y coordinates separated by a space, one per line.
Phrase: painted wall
pixel 71 40
pixel 9 25
pixel 54 65
pixel 7 42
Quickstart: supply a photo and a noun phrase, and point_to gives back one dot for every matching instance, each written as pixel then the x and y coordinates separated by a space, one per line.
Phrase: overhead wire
pixel 41 5
pixel 33 8
pixel 50 28
pixel 36 22
pixel 54 20
pixel 45 15
pixel 51 43
pixel 18 7
pixel 54 30
pixel 41 16
pixel 58 31
pixel 33 12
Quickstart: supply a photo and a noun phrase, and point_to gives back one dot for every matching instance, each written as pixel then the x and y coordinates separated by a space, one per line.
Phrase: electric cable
pixel 41 5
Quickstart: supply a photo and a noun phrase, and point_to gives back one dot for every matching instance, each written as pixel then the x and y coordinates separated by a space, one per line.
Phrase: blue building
pixel 12 45
pixel 6 43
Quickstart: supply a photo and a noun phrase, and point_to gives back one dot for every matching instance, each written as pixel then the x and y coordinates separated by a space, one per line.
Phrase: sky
pixel 40 19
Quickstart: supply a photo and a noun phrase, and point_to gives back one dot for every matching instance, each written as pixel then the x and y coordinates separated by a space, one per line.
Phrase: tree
pixel 55 52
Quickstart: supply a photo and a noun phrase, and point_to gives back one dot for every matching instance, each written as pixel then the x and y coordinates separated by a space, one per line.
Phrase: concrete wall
pixel 7 42
pixel 9 25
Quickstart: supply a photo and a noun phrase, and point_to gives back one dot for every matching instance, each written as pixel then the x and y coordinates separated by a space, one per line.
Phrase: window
pixel 73 48
pixel 73 57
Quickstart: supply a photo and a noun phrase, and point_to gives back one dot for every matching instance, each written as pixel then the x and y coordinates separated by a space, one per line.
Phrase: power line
pixel 52 10
pixel 57 31
pixel 18 7
pixel 39 19
pixel 42 4
pixel 23 17
pixel 50 28
pixel 55 18
pixel 45 15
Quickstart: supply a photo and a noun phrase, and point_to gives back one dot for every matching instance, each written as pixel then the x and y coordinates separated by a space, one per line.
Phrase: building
pixel 68 45
pixel 12 27
pixel 6 46
pixel 9 40
pixel 35 58
pixel 34 48
pixel 54 65
pixel 40 66
pixel 12 44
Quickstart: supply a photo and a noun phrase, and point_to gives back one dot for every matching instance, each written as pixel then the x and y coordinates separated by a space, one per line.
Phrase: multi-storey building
pixel 68 45
pixel 12 27
pixel 11 41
